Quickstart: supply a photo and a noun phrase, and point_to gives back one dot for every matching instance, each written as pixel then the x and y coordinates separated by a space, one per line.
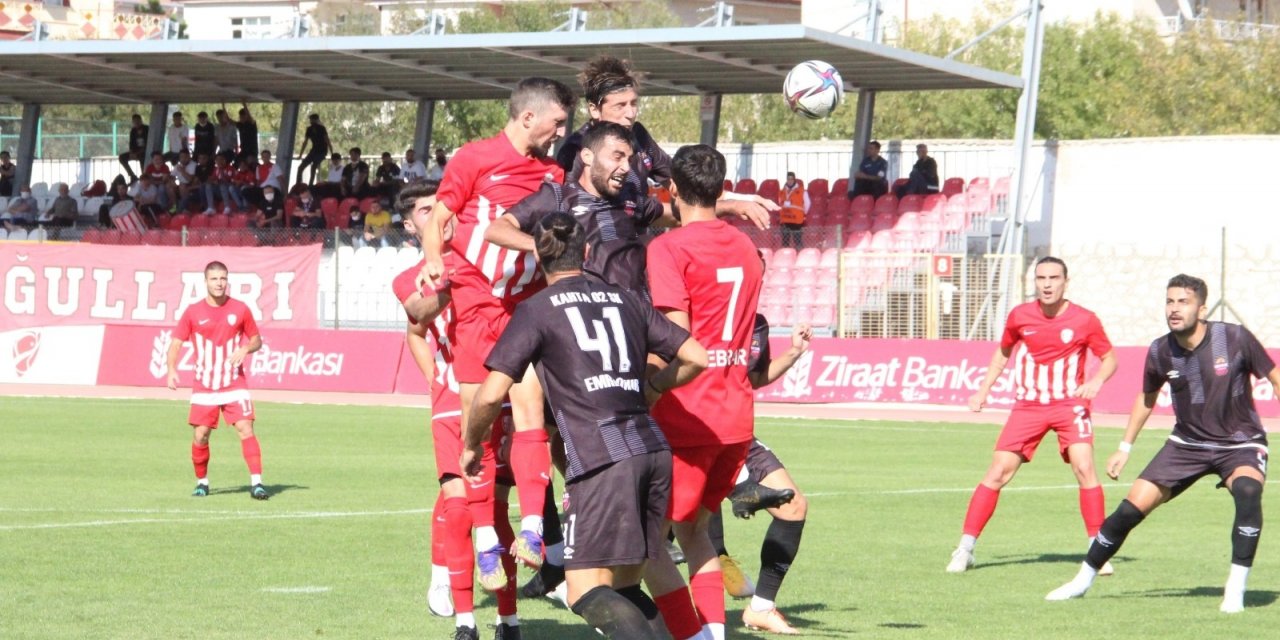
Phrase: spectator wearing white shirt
pixel 228 136
pixel 412 170
pixel 437 171
pixel 178 135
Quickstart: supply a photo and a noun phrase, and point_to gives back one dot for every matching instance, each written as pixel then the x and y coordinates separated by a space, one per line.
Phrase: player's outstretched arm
pixel 1142 407
pixel 505 232
pixel 751 208
pixel 484 410
pixel 1274 377
pixel 998 360
pixel 432 238
pixel 175 348
pixel 1089 390
pixel 415 337
pixel 801 334
pixel 425 308
pixel 690 361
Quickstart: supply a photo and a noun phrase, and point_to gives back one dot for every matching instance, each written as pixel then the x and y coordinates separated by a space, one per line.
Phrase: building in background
pixel 86 19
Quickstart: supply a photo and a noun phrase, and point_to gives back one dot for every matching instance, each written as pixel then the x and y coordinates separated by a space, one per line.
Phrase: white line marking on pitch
pixel 296 590
pixel 263 516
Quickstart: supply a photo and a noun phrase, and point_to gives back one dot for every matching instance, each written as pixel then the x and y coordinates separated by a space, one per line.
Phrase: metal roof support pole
pixel 1026 126
pixel 424 122
pixel 27 144
pixel 288 132
pixel 866 111
pixel 710 116
pixel 158 123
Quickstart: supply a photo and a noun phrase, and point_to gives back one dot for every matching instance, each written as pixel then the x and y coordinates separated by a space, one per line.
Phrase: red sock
pixel 480 499
pixel 200 460
pixel 252 454
pixel 1093 507
pixel 678 614
pixel 531 465
pixel 708 596
pixel 438 554
pixel 506 536
pixel 981 506
pixel 458 555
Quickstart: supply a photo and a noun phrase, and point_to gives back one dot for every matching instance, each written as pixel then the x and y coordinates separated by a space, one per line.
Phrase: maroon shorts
pixel 206 415
pixel 1177 466
pixel 761 462
pixel 1027 426
pixel 703 477
pixel 613 516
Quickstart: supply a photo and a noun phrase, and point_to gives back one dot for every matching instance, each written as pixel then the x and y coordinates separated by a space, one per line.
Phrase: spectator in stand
pixel 63 211
pixel 924 175
pixel 137 146
pixel 437 170
pixel 266 174
pixel 224 175
pixel 228 136
pixel 22 211
pixel 271 210
pixel 794 201
pixel 318 138
pixel 248 129
pixel 412 170
pixel 246 184
pixel 205 183
pixel 7 171
pixel 177 135
pixel 119 193
pixel 206 137
pixel 184 173
pixel 386 180
pixel 355 176
pixel 308 212
pixel 377 225
pixel 871 178
pixel 149 196
pixel 158 173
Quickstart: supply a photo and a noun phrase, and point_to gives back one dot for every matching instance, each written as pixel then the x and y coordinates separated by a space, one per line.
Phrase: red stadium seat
pixel 784 257
pixel 881 242
pixel 769 189
pixel 952 186
pixel 804 278
pixel 841 186
pixel 199 222
pixel 900 182
pixel 934 202
pixel 808 258
pixel 778 278
pixel 980 183
pixel 152 237
pixel 329 207
pixel 290 205
pixel 766 254
pixel 171 238
pixel 863 204
pixel 887 203
pixel 823 316
pixel 1001 186
pixel 910 203
pixel 368 204
pixel 860 222
pixel 219 221
pixel 830 258
pixel 746 186
pixel 728 185
pixel 179 221
pixel 977 200
pixel 928 240
pixel 778 315
pixel 857 241
pixel 238 221
pixel 818 188
pixel 92 236
pixel 882 222
pixel 838 204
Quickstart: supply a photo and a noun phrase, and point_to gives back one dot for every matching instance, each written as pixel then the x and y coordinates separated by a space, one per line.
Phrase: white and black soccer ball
pixel 813 89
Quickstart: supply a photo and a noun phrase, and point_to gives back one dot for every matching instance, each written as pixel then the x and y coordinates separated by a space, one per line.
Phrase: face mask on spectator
pixel 26 194
pixel 270 196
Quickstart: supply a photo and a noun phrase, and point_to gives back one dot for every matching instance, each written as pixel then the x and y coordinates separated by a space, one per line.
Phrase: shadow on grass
pixel 1251 598
pixel 534 627
pixel 1044 558
pixel 273 490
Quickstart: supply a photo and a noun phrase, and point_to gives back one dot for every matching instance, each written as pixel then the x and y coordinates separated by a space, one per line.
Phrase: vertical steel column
pixel 158 124
pixel 27 145
pixel 710 116
pixel 1026 125
pixel 287 132
pixel 424 122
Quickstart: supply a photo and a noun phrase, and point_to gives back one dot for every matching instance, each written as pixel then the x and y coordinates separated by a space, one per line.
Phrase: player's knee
pixel 796 509
pixel 1247 492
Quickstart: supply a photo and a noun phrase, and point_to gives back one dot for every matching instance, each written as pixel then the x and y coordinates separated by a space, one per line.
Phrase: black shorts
pixel 1176 466
pixel 613 516
pixel 761 461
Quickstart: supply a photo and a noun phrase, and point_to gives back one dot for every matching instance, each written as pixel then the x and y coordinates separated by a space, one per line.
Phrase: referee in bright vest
pixel 795 204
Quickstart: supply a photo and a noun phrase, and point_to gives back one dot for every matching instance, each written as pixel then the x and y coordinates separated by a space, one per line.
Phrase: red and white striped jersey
pixel 445 401
pixel 216 332
pixel 483 180
pixel 1051 354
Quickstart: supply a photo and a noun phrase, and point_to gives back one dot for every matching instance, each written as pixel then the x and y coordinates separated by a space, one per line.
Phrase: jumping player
pixel 705 276
pixel 588 341
pixel 1207 366
pixel 224 333
pixel 483 180
pixel 459 504
pixel 1052 337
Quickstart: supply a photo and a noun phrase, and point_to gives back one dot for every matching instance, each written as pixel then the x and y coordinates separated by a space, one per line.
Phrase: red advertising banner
pixel 942 372
pixel 81 284
pixel 409 379
pixel 291 359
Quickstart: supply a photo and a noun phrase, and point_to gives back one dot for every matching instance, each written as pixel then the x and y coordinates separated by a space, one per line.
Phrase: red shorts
pixel 480 319
pixel 1027 426
pixel 446 436
pixel 206 415
pixel 703 477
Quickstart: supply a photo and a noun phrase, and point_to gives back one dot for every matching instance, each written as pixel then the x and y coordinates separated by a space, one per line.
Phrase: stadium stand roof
pixel 677 61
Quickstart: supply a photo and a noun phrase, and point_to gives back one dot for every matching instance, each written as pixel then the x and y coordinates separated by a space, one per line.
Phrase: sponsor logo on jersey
pixel 1173 374
pixel 25 351
pixel 1220 367
pixel 231 319
pixel 1067 335
pixel 499 177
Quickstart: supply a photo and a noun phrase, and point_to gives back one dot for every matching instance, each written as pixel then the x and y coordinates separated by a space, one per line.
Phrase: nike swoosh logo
pixel 496 177
pixel 481 485
pixel 1029 333
pixel 203 322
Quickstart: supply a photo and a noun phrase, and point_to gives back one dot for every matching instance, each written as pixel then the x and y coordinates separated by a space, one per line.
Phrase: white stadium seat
pixel 39 190
pixel 18 234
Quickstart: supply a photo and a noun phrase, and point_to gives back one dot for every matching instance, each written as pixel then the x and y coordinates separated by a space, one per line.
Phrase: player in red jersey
pixel 224 333
pixel 483 180
pixel 705 276
pixel 1052 337
pixel 460 504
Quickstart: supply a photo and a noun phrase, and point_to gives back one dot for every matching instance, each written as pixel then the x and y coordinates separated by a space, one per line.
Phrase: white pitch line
pixel 264 516
pixel 296 590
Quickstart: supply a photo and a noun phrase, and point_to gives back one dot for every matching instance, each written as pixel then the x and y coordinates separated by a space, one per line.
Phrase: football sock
pixel 458 556
pixel 715 531
pixel 635 595
pixel 1112 534
pixel 252 455
pixel 611 613
pixel 781 543
pixel 715 630
pixel 678 614
pixel 438 554
pixel 467 619
pixel 255 479
pixel 531 465
pixel 506 595
pixel 511 620
pixel 486 537
pixel 1238 578
pixel 1093 509
pixel 1248 524
pixel 981 506
pixel 761 604
pixel 200 460
pixel 551 534
pixel 708 595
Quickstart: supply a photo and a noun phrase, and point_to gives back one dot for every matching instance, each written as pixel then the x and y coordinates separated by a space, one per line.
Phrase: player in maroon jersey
pixel 1049 341
pixel 224 334
pixel 705 276
pixel 483 180
pixel 460 504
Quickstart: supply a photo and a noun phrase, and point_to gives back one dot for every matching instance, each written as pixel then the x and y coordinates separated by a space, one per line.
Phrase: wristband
pixel 1126 447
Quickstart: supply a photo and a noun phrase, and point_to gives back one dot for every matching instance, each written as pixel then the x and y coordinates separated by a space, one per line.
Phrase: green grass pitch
pixel 99 538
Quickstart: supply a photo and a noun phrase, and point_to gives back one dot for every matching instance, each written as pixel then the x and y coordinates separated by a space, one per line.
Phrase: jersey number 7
pixel 730 275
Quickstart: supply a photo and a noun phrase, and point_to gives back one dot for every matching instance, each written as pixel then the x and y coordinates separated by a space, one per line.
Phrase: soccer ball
pixel 813 89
